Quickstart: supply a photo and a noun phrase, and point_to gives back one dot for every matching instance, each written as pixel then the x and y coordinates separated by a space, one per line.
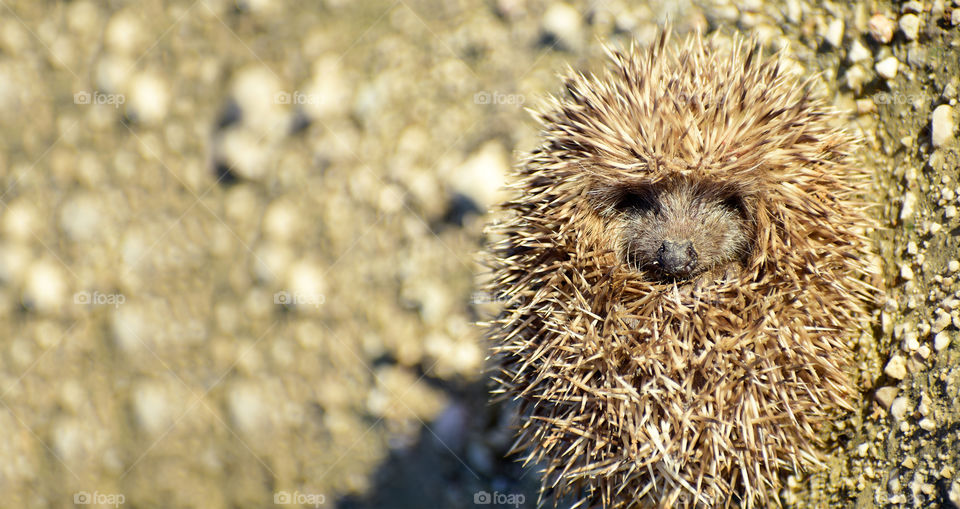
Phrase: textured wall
pixel 237 242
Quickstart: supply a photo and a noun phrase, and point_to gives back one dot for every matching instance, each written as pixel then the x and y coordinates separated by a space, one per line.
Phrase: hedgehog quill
pixel 683 264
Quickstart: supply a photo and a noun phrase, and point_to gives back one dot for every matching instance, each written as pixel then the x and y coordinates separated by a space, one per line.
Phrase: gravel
pixel 881 28
pixel 887 68
pixel 910 26
pixel 237 241
pixel 942 126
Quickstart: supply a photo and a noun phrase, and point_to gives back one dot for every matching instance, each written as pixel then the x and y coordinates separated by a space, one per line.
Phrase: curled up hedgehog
pixel 683 266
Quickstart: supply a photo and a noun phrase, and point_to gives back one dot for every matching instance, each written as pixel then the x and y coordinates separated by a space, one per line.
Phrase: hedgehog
pixel 683 266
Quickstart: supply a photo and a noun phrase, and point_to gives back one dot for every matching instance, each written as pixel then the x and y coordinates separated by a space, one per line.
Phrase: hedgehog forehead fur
pixel 715 167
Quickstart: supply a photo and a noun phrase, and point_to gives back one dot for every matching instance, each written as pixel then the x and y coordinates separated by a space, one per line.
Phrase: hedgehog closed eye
pixel 637 201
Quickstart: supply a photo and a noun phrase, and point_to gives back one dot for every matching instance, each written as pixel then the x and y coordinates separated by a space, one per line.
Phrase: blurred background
pixel 238 238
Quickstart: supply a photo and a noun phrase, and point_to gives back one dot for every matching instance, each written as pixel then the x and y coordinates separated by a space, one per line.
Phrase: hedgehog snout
pixel 677 258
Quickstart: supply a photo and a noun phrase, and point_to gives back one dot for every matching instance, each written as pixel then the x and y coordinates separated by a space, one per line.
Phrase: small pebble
pixel 953 265
pixel 149 97
pixel 246 153
pixel 834 34
pixel 896 367
pixel 151 407
pixel 794 11
pixel 260 96
pixel 247 408
pixel 916 58
pixel 282 220
pixel 950 89
pixel 306 282
pixel 928 424
pixel 941 125
pixel 866 106
pixel 910 26
pixel 910 342
pixel 45 288
pixel 20 220
pixel 81 217
pixel 70 440
pixel 890 305
pixel 855 77
pixel 899 408
pixel 950 212
pixel 911 175
pixel 887 68
pixel 955 17
pixel 881 28
pixel 909 206
pixel 125 33
pixel 128 325
pixel 858 52
pixel 912 7
pixel 893 486
pixel 941 322
pixel 481 177
pixel 885 396
pixel 563 23
pixel 906 272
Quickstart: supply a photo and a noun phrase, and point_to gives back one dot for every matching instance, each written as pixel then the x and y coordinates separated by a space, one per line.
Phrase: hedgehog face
pixel 681 230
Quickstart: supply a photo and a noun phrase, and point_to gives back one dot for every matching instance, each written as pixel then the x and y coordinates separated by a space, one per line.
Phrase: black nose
pixel 677 257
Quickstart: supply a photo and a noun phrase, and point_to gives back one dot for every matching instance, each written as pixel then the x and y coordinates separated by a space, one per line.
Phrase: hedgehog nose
pixel 676 257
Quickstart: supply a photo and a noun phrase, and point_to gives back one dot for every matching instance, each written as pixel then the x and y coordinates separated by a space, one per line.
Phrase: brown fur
pixel 639 390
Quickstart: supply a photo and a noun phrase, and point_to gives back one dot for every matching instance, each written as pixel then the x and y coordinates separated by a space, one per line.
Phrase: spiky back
pixel 634 392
